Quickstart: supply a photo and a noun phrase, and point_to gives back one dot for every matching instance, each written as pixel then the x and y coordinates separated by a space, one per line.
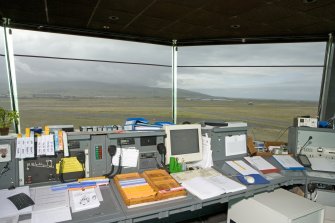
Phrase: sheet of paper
pixel 98 192
pixel 39 149
pixel 260 163
pixel 30 147
pixel 288 162
pixel 51 205
pixel 227 184
pixel 242 167
pixel 190 174
pixel 53 215
pixel 207 160
pixel 202 188
pixel 8 209
pixel 129 157
pixel 49 145
pixel 83 199
pixel 236 145
pixel 18 148
pixel 45 198
pixel 322 164
pixel 66 145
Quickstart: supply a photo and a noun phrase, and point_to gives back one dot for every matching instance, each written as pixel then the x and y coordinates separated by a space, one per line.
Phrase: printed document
pixel 261 164
pixel 51 205
pixel 241 167
pixel 236 145
pixel 207 160
pixel 129 157
pixel 83 199
pixel 202 188
pixel 288 162
pixel 227 184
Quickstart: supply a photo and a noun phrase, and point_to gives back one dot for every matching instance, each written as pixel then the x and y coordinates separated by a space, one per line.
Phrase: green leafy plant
pixel 7 117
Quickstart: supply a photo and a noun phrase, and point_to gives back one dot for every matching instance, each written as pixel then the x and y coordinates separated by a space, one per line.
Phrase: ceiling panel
pixel 189 21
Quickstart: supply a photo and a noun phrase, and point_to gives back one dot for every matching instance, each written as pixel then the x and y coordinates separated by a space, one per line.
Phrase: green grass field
pixel 266 119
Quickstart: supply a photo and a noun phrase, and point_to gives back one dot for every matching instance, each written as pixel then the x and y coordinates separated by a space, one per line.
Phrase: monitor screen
pixel 183 142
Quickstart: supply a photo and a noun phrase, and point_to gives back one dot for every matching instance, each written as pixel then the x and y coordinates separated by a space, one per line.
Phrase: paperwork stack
pixel 134 189
pixel 288 163
pixel 152 185
pixel 207 183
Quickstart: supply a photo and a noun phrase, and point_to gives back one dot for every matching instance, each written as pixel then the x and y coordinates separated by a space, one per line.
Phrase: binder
pixel 262 165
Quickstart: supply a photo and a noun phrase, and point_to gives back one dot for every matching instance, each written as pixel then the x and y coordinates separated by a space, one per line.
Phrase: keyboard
pixel 21 200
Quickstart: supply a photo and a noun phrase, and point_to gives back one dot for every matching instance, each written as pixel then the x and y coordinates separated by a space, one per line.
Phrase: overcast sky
pixel 270 83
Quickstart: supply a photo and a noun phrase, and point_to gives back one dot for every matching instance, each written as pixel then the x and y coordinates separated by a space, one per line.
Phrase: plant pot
pixel 4 131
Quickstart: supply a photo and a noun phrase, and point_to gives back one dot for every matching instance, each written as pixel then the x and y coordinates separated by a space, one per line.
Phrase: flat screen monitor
pixel 183 142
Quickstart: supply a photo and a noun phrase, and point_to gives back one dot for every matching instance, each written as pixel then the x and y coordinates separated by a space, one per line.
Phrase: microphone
pixel 303 147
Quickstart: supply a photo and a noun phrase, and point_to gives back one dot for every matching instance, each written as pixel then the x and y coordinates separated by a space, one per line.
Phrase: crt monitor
pixel 183 142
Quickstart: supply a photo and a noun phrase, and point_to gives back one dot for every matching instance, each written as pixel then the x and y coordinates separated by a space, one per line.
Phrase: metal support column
pixel 10 65
pixel 327 93
pixel 174 81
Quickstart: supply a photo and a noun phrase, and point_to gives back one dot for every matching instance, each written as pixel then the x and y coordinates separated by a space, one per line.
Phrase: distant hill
pixel 97 89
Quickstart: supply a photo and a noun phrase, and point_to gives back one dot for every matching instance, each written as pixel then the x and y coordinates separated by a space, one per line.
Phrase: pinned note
pixel 129 157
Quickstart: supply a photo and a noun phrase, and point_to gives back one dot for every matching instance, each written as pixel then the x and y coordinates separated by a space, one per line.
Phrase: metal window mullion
pixel 10 65
pixel 326 78
pixel 174 81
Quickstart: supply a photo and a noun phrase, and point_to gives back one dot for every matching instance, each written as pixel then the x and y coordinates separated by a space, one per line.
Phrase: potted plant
pixel 6 120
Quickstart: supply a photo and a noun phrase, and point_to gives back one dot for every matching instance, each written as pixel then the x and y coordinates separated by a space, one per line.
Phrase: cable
pixel 5 169
pixel 282 133
pixel 81 158
pixel 112 150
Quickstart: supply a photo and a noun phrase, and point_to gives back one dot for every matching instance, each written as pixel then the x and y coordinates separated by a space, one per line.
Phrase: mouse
pixel 249 179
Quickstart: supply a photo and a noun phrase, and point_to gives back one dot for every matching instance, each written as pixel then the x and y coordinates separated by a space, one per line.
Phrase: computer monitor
pixel 183 142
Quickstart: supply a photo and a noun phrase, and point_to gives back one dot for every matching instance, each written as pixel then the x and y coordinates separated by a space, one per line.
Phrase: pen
pixel 171 189
pixel 81 188
pixel 239 165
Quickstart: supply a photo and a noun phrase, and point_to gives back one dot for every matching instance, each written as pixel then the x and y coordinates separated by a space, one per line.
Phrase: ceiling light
pixel 113 18
pixel 235 26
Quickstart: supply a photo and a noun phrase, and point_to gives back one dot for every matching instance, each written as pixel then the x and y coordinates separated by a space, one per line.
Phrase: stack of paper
pixel 242 167
pixel 207 160
pixel 51 205
pixel 261 164
pixel 190 174
pixel 288 162
pixel 202 188
pixel 227 184
pixel 207 183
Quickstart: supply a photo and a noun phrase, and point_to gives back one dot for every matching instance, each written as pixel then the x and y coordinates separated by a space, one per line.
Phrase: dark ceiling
pixel 191 22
